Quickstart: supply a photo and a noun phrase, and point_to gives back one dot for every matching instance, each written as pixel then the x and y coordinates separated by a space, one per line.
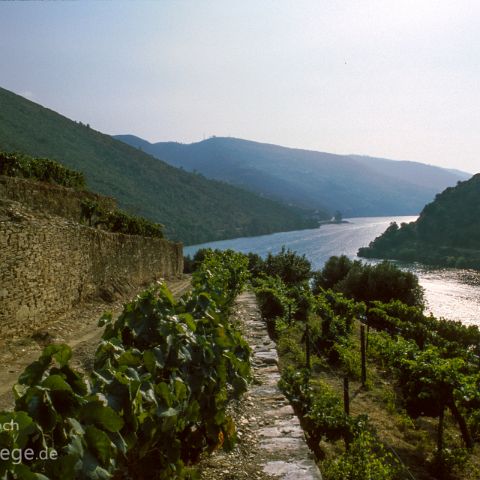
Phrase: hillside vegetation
pixel 447 233
pixel 192 208
pixel 93 212
pixel 357 186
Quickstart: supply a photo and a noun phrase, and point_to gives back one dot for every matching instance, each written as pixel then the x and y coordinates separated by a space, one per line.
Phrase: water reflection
pixel 450 293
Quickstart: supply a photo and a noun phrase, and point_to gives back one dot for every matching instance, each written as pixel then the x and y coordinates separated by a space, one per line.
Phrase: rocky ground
pixel 271 443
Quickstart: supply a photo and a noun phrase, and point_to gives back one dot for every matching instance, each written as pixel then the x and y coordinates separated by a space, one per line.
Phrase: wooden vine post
pixel 307 345
pixel 440 430
pixel 346 396
pixel 364 355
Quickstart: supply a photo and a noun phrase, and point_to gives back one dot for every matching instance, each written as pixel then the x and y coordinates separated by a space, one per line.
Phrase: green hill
pixel 192 208
pixel 355 185
pixel 447 233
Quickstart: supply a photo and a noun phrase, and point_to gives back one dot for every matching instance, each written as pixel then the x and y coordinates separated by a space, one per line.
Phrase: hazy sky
pixel 392 78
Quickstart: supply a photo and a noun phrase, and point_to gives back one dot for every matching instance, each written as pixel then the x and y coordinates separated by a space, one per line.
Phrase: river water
pixel 450 293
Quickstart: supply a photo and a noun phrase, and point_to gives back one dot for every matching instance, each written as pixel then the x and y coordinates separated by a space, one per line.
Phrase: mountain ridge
pixel 192 208
pixel 357 185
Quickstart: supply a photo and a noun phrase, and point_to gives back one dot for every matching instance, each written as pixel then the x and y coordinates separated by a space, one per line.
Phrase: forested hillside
pixel 192 208
pixel 357 186
pixel 446 233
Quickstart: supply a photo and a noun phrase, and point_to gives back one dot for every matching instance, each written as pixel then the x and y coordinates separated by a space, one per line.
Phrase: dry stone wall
pixel 50 264
pixel 50 198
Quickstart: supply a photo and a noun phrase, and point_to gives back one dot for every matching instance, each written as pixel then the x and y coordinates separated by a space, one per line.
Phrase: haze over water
pixel 450 293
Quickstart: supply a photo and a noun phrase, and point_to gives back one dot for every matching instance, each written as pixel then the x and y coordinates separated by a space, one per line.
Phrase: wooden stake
pixel 364 355
pixel 346 396
pixel 440 430
pixel 307 345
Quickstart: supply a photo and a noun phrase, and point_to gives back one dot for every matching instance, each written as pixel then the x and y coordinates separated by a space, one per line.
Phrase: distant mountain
pixel 193 208
pixel 355 185
pixel 447 233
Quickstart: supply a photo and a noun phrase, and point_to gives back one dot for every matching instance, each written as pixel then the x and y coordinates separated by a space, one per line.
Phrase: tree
pixel 291 267
pixel 335 270
pixel 383 282
pixel 363 282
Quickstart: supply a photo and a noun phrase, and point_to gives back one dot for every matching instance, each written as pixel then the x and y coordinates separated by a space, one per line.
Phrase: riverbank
pixel 450 293
pixel 332 222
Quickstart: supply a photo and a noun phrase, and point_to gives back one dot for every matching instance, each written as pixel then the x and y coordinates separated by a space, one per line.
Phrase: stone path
pixel 271 441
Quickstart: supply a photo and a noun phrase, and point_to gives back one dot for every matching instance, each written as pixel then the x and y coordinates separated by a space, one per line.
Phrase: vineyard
pixel 117 221
pixel 383 390
pixel 41 169
pixel 156 398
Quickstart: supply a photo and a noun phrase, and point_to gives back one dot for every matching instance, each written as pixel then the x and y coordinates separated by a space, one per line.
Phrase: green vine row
pixel 163 375
pixel 117 221
pixel 41 169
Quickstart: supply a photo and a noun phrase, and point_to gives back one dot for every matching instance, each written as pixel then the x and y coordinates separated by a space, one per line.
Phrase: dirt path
pixel 77 328
pixel 271 442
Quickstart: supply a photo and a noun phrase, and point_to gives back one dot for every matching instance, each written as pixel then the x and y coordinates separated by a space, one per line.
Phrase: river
pixel 449 293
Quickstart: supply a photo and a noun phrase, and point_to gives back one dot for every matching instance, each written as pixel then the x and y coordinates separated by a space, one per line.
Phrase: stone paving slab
pixel 271 441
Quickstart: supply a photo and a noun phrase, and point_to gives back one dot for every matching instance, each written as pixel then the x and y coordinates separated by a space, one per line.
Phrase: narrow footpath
pixel 271 442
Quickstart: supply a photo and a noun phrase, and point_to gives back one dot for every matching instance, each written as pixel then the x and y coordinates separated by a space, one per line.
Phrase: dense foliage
pixel 366 459
pixel 447 233
pixel 193 208
pixel 397 318
pixel 364 282
pixel 92 212
pixel 192 263
pixel 433 362
pixel 156 399
pixel 117 221
pixel 42 169
pixel 323 418
pixel 292 268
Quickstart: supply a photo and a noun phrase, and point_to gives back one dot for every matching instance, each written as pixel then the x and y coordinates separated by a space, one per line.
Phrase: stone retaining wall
pixel 50 198
pixel 50 264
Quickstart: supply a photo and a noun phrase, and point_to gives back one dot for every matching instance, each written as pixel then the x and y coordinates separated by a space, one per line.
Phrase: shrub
pixel 334 270
pixel 273 298
pixel 363 282
pixel 320 410
pixel 118 221
pixel 366 459
pixel 447 462
pixel 349 358
pixel 293 269
pixel 256 265
pixel 41 169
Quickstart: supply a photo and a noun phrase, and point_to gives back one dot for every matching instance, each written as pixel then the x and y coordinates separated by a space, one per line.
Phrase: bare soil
pixel 77 328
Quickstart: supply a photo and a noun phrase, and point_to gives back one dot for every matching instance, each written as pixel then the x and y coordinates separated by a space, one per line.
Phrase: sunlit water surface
pixel 450 293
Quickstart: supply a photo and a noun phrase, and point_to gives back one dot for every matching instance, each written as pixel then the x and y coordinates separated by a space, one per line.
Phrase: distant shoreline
pixel 332 222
